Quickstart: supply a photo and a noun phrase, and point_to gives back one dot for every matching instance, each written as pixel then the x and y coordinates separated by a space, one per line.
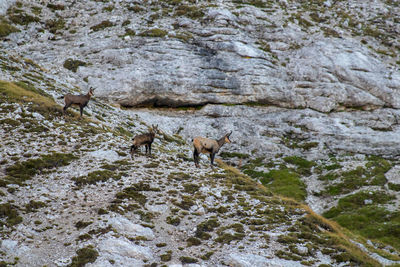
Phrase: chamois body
pixel 80 100
pixel 144 140
pixel 208 146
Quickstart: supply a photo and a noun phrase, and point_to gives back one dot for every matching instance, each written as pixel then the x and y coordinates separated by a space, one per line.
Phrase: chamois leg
pixel 65 108
pixel 212 156
pixel 81 110
pixel 149 149
pixel 196 158
pixel 132 150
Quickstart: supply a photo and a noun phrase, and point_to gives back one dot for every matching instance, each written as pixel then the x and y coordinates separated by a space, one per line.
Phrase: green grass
pixel 95 177
pixel 226 155
pixel 73 65
pixel 84 255
pixel 22 18
pixel 153 33
pixel 10 213
pixel 102 25
pixel 303 166
pixel 36 99
pixel 6 29
pixel 285 183
pixel 22 171
pixel 371 221
pixel 372 174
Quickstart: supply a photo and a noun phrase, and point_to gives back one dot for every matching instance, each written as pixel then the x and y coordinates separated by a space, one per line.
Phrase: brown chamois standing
pixel 81 100
pixel 144 139
pixel 210 146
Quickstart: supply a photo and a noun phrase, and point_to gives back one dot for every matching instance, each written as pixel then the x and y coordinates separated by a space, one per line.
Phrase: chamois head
pixel 227 140
pixel 154 129
pixel 91 91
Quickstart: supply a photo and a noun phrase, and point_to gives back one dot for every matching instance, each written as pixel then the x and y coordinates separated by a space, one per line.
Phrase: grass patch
pixel 10 213
pixel 95 177
pixel 226 155
pixel 73 65
pixel 185 259
pixel 22 171
pixel 154 33
pixel 54 25
pixel 372 174
pixel 33 205
pixel 37 100
pixel 311 228
pixel 22 18
pixel 362 213
pixel 133 192
pixel 205 227
pixel 282 182
pixel 175 221
pixel 193 12
pixel 6 29
pixel 84 255
pixel 102 25
pixel 303 166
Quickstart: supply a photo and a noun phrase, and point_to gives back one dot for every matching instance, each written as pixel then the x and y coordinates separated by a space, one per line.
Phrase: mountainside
pixel 309 89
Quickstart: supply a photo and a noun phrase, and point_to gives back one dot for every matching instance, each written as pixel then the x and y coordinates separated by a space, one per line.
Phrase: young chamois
pixel 210 146
pixel 81 100
pixel 144 140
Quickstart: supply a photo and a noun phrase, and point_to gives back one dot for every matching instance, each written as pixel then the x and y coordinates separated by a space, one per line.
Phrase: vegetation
pixel 10 213
pixel 22 171
pixel 22 18
pixel 102 25
pixel 6 29
pixel 24 93
pixel 153 33
pixel 95 177
pixel 73 64
pixel 84 255
pixel 363 214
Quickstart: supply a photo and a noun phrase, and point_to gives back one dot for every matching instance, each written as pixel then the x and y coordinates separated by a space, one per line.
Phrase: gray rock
pixel 121 249
pixel 4 5
pixel 250 260
pixel 129 229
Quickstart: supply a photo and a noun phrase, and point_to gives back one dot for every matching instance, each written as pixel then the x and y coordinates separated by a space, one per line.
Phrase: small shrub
pixel 55 6
pixel 73 65
pixel 34 205
pixel 82 224
pixel 206 226
pixel 23 18
pixel 185 259
pixel 102 25
pixel 6 29
pixel 193 241
pixel 95 177
pixel 154 33
pixel 84 255
pixel 54 25
pixel 10 212
pixel 173 220
pixel 20 172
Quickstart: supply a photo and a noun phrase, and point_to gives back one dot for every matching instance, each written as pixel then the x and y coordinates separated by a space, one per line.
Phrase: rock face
pixel 309 90
pixel 287 54
pixel 4 5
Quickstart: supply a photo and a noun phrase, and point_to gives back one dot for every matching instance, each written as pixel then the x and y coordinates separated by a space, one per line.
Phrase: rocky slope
pixel 309 88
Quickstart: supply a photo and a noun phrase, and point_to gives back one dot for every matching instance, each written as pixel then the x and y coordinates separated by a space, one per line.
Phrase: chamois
pixel 144 139
pixel 210 146
pixel 81 100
